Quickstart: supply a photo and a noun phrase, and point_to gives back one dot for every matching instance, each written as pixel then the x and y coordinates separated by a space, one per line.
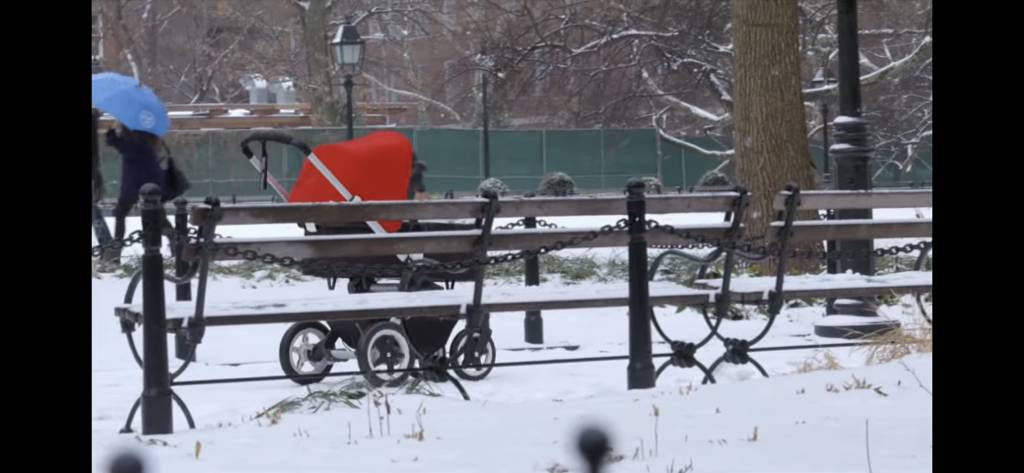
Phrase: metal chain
pixel 751 246
pixel 758 246
pixel 115 244
pixel 135 237
pixel 849 254
pixel 336 267
pixel 700 239
pixel 541 223
pixel 691 246
pixel 508 226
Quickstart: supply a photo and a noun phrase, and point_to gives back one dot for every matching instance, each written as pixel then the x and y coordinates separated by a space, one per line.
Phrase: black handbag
pixel 176 181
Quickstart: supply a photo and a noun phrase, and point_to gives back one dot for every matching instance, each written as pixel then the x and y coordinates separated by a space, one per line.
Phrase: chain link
pixel 135 237
pixel 691 246
pixel 508 226
pixel 327 266
pixel 115 244
pixel 541 223
pixel 760 248
pixel 333 266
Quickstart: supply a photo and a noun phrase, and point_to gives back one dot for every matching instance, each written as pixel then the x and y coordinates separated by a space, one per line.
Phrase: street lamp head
pixel 348 47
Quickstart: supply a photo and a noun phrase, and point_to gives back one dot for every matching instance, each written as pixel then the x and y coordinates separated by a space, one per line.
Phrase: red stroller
pixel 379 166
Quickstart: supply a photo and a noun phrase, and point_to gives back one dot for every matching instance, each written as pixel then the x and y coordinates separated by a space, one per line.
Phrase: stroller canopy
pixel 374 167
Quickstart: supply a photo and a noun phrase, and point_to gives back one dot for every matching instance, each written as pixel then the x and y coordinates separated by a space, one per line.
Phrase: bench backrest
pixel 354 212
pixel 863 228
pixel 872 199
pixel 450 242
pixel 447 242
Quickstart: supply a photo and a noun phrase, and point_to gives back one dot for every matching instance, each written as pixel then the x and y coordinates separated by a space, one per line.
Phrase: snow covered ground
pixel 525 419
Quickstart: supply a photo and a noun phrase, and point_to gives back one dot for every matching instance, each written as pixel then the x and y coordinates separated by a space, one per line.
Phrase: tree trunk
pixel 770 127
pixel 325 108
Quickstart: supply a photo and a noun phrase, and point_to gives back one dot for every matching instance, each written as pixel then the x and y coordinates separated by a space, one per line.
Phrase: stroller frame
pixel 397 343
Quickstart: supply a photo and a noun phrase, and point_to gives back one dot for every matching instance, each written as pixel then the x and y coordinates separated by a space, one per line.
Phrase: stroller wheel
pixel 302 349
pixel 383 349
pixel 459 358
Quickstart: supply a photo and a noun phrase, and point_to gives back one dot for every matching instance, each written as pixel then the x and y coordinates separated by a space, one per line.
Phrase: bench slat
pixel 338 213
pixel 270 316
pixel 353 307
pixel 816 230
pixel 755 289
pixel 444 242
pixel 891 199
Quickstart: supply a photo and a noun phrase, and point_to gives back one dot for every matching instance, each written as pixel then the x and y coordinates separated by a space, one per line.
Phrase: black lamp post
pixel 852 153
pixel 348 54
pixel 487 131
pixel 822 78
pixel 485 67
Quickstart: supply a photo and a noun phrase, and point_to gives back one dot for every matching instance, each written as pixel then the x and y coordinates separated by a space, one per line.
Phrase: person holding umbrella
pixel 142 121
pixel 99 224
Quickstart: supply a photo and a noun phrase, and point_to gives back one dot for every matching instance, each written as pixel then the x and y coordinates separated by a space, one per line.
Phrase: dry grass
pixel 898 343
pixel 348 394
pixel 822 360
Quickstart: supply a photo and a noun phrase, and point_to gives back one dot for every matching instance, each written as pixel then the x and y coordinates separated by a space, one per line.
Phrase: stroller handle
pixel 276 137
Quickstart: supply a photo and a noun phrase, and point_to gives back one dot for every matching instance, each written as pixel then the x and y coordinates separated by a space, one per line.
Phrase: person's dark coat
pixel 97 177
pixel 139 163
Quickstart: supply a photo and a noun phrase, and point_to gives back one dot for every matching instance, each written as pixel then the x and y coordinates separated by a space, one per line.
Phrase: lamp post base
pixel 853 323
pixel 853 329
pixel 851 319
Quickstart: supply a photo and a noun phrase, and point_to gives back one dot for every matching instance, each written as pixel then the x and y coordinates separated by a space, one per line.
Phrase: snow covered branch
pixel 593 45
pixel 414 95
pixel 880 73
pixel 700 112
pixel 686 144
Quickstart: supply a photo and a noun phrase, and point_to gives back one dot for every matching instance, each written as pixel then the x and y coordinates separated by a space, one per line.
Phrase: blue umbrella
pixel 106 83
pixel 134 105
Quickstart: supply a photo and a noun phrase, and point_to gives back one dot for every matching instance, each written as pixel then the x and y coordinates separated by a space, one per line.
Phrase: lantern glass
pixel 347 47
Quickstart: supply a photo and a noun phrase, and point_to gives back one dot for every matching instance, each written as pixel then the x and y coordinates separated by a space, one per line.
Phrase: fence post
pixel 533 324
pixel 593 446
pixel 126 462
pixel 640 372
pixel 183 292
pixel 156 388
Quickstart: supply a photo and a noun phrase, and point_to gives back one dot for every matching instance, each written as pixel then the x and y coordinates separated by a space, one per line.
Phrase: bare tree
pixel 134 26
pixel 550 63
pixel 313 16
pixel 895 46
pixel 191 50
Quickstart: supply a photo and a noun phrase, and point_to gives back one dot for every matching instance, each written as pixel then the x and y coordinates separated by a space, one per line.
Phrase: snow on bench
pixel 450 303
pixel 755 289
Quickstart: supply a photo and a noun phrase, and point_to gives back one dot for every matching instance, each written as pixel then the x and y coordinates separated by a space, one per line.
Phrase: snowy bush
pixel 714 178
pixel 652 185
pixel 492 184
pixel 557 184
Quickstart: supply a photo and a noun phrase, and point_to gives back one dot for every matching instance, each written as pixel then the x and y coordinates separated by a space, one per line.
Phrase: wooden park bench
pixel 390 332
pixel 785 231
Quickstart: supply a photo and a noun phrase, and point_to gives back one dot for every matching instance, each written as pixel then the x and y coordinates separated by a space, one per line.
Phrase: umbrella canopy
pixel 133 104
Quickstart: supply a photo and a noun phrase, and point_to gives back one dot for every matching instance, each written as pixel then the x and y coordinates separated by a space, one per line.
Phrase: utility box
pixel 283 89
pixel 257 87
